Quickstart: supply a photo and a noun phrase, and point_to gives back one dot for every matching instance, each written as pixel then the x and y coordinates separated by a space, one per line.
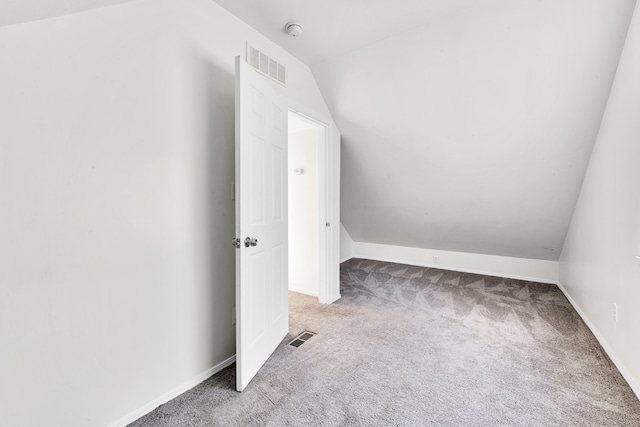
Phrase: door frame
pixel 325 199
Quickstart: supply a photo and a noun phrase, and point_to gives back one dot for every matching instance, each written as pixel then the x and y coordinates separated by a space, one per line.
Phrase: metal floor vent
pixel 302 338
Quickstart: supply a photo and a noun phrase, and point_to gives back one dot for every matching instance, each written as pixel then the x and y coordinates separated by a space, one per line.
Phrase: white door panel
pixel 261 213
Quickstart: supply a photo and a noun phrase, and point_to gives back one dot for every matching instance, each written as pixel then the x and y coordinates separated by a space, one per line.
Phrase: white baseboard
pixel 304 292
pixel 603 342
pixel 139 413
pixel 492 265
pixel 345 259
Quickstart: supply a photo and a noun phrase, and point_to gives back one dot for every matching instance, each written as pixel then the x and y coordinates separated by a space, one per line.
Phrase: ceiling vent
pixel 265 65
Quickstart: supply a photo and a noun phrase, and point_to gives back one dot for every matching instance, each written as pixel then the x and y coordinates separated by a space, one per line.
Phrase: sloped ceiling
pixel 466 125
pixel 21 11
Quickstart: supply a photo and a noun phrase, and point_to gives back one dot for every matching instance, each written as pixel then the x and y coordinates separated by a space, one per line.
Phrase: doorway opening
pixel 307 206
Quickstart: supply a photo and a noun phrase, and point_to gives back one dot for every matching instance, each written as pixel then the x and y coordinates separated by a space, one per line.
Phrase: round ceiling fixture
pixel 294 29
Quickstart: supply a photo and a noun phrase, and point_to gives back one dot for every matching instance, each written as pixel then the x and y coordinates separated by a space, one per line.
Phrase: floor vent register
pixel 302 338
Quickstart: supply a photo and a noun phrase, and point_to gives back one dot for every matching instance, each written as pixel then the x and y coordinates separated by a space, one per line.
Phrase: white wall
pixel 116 161
pixel 598 266
pixel 303 212
pixel 346 244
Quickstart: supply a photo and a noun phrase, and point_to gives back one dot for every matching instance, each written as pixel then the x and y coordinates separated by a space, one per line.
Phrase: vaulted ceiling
pixel 466 125
pixel 21 11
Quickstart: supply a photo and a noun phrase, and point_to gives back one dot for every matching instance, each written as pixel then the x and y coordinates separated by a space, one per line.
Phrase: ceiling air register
pixel 266 65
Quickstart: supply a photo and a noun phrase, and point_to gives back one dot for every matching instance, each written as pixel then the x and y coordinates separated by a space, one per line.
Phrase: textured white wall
pixel 471 131
pixel 598 266
pixel 117 276
pixel 303 212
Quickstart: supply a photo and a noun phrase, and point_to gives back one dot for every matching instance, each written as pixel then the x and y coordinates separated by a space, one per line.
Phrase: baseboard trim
pixel 491 265
pixel 603 342
pixel 301 291
pixel 139 413
pixel 345 259
pixel 466 270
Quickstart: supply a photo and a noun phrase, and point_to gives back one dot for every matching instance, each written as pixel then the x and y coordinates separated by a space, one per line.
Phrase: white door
pixel 261 222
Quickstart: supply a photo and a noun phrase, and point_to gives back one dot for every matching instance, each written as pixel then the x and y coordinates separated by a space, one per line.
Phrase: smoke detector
pixel 294 29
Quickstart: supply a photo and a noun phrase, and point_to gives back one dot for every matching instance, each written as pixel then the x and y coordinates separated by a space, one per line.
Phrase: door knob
pixel 250 242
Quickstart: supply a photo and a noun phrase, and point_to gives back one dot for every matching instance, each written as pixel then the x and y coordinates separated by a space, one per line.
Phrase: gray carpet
pixel 417 346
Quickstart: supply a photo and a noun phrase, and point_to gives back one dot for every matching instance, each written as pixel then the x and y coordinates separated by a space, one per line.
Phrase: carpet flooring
pixel 410 346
